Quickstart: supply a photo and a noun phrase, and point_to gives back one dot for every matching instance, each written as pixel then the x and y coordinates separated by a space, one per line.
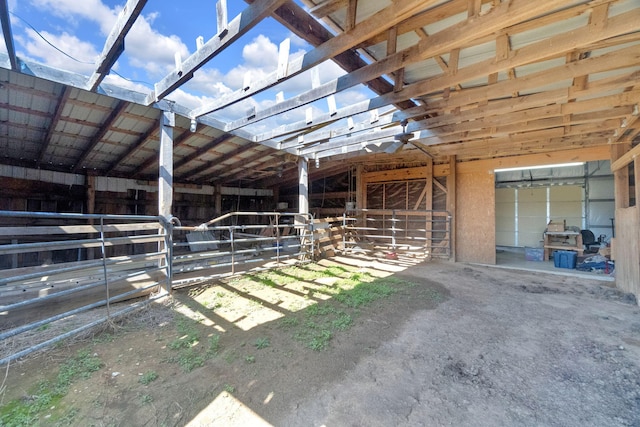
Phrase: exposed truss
pixel 474 79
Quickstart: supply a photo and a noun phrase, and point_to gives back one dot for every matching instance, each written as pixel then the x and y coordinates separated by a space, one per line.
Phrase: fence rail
pixel 423 231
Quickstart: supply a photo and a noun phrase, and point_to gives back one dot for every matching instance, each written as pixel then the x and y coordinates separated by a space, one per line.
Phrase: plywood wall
pixel 627 250
pixel 475 218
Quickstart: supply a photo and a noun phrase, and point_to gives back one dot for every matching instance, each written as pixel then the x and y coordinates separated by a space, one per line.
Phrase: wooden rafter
pixel 106 126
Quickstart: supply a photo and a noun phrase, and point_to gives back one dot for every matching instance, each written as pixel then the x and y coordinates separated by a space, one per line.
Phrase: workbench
pixel 562 240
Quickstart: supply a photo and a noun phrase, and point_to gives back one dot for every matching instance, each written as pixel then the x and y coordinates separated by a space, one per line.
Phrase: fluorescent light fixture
pixel 522 168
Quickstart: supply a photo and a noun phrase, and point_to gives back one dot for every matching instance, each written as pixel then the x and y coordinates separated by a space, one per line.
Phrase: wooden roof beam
pixel 153 130
pixel 54 122
pixel 153 160
pixel 240 171
pixel 114 46
pixel 202 150
pixel 506 14
pixel 327 7
pixel 300 23
pixel 97 138
pixel 239 26
pixel 226 156
pixel 385 18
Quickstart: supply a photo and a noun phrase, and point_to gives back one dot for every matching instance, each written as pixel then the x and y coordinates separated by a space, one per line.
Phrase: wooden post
pixel 91 205
pixel 218 199
pixel 165 165
pixel 451 205
pixel 303 185
pixel 636 179
pixel 621 177
pixel 361 189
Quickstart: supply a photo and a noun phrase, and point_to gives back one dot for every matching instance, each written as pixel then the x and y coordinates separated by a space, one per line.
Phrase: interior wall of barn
pixel 36 190
pixel 475 217
pixel 626 245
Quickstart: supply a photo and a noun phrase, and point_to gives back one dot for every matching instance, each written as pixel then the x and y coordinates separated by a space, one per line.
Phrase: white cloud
pixel 188 100
pixel 82 51
pixel 145 47
pixel 261 52
pixel 208 81
pixel 70 10
pixel 148 49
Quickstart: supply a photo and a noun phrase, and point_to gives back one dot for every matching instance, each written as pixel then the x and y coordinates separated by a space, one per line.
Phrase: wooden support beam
pixel 303 185
pixel 151 132
pixel 350 21
pixel 114 45
pixel 327 7
pixel 118 108
pixel 623 160
pixel 539 159
pixel 62 101
pixel 451 204
pixel 620 24
pixel 332 47
pixel 300 23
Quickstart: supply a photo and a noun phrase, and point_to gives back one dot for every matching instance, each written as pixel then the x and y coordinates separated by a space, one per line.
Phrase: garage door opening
pixel 549 212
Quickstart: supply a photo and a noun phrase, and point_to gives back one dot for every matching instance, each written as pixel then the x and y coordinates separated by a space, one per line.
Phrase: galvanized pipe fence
pixel 57 266
pixel 54 266
pixel 424 232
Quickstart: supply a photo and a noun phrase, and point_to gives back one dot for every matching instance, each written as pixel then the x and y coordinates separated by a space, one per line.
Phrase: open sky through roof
pixel 69 35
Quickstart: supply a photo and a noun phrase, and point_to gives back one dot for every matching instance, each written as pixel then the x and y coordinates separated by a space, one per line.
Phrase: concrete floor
pixel 514 258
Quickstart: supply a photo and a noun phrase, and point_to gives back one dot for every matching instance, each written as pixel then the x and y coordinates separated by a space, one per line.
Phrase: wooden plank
pixel 384 19
pixel 625 159
pixel 627 252
pixel 440 43
pixel 327 7
pixel 395 175
pixel 560 156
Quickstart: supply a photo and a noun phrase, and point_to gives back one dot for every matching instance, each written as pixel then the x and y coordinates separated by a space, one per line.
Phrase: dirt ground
pixel 465 345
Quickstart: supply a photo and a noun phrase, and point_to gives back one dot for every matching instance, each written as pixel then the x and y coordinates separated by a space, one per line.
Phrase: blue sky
pixel 80 27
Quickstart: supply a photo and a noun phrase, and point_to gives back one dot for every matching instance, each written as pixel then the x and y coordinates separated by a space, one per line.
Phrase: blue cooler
pixel 565 259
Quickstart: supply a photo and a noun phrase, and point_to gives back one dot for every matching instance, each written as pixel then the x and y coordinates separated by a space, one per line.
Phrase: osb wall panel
pixel 628 260
pixel 475 218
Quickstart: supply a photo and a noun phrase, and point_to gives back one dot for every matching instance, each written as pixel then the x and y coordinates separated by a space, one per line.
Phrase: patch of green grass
pixel 334 271
pixel 146 399
pixel 289 321
pixel 48 393
pixel 43 327
pixel 262 343
pixel 189 359
pixel 148 377
pixel 250 359
pixel 320 340
pixel 229 388
pixel 214 345
pixel 342 322
pixel 364 293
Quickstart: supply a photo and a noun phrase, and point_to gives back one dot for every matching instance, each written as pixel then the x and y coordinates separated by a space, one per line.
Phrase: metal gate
pixel 426 232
